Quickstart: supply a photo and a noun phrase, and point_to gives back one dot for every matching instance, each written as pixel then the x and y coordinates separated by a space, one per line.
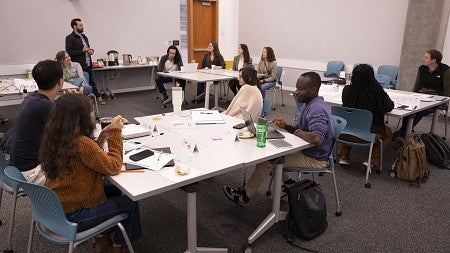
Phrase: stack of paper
pixel 154 162
pixel 207 117
pixel 130 131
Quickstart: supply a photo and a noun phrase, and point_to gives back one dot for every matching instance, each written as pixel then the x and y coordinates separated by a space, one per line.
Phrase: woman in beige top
pixel 267 66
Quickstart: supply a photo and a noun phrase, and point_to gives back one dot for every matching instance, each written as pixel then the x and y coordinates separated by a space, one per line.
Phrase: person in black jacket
pixel 170 62
pixel 366 93
pixel 79 50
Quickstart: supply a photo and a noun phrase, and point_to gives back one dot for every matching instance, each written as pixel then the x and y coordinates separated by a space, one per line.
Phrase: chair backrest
pixel 389 70
pixel 384 80
pixel 338 124
pixel 359 122
pixel 278 75
pixel 334 68
pixel 47 209
pixel 267 107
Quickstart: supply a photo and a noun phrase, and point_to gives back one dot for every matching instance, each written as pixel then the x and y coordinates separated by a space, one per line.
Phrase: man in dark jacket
pixel 77 46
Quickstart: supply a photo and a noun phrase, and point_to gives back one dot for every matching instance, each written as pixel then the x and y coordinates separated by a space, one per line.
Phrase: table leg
pixel 435 119
pixel 276 215
pixel 192 226
pixel 216 97
pixel 409 127
pixel 208 87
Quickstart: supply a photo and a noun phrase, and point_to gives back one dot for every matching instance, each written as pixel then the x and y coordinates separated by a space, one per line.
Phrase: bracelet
pixel 297 131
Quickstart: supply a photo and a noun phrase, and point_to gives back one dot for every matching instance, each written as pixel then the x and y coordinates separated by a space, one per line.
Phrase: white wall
pixel 446 50
pixel 306 34
pixel 33 30
pixel 228 28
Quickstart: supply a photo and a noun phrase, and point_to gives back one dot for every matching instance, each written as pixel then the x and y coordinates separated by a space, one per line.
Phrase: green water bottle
pixel 261 132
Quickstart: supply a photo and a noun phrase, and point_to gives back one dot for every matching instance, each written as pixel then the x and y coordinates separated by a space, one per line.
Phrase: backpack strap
pixel 290 237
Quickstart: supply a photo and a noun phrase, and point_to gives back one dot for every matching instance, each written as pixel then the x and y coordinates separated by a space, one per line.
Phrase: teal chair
pixel 359 122
pixel 338 125
pixel 267 106
pixel 391 71
pixel 334 68
pixel 278 86
pixel 49 218
pixel 383 80
pixel 9 186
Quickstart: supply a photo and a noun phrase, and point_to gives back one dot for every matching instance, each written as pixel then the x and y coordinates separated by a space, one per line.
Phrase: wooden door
pixel 203 23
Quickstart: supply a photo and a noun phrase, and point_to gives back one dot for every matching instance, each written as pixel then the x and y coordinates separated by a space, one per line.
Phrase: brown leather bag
pixel 412 162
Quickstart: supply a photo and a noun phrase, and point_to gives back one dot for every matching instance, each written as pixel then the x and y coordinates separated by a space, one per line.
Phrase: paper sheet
pixel 154 162
pixel 169 173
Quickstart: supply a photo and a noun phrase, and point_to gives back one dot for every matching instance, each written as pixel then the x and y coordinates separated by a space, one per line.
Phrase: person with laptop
pixel 314 126
pixel 170 62
pixel 366 93
pixel 249 96
pixel 75 164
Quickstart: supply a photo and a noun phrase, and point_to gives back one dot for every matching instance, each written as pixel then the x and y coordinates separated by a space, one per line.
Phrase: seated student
pixel 212 57
pixel 433 78
pixel 170 62
pixel 267 66
pixel 73 73
pixel 366 93
pixel 314 126
pixel 31 118
pixel 75 165
pixel 249 96
pixel 241 60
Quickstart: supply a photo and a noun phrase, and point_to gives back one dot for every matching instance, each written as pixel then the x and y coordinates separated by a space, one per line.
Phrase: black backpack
pixel 307 216
pixel 438 153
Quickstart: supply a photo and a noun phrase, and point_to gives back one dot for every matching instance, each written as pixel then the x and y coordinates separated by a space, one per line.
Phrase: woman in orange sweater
pixel 75 164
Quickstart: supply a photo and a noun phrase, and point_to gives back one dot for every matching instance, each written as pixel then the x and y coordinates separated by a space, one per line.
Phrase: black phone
pixel 239 126
pixel 141 155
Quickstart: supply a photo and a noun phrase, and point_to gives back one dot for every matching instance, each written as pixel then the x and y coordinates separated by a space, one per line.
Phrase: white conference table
pixel 200 77
pixel 14 90
pixel 243 151
pixel 239 154
pixel 399 97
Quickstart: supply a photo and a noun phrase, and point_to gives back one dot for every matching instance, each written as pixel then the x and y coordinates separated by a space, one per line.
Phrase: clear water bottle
pixel 261 132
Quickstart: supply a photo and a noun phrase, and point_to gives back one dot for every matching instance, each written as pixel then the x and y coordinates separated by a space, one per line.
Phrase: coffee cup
pixel 213 67
pixel 105 121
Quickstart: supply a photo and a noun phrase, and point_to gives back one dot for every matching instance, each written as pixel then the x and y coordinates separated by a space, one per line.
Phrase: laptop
pixel 272 133
pixel 189 68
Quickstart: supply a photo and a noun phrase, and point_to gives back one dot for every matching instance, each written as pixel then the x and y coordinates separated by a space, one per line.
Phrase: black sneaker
pixel 238 196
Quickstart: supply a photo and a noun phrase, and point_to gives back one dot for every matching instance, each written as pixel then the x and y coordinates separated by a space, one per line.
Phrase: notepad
pixel 207 117
pixel 154 162
pixel 130 131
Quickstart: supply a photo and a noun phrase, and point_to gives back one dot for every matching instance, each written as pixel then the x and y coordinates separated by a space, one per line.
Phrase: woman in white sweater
pixel 249 96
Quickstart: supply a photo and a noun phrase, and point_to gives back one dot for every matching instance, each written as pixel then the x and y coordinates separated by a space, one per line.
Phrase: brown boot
pixel 102 244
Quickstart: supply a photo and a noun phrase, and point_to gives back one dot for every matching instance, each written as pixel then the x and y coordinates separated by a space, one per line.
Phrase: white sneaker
pixel 344 162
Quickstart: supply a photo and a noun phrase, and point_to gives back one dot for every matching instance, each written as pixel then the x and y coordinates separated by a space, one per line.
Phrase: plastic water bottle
pixel 261 132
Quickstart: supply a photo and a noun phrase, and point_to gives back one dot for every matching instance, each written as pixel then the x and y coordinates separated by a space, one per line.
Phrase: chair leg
pixel 445 125
pixel 369 167
pixel 30 239
pixel 1 197
pixel 71 247
pixel 381 157
pixel 125 236
pixel 282 97
pixel 338 212
pixel 11 225
pixel 274 98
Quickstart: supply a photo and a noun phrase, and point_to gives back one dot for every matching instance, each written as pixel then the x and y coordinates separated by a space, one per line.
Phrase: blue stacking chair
pixel 334 68
pixel 338 125
pixel 9 186
pixel 278 86
pixel 50 220
pixel 298 106
pixel 267 106
pixel 384 80
pixel 391 71
pixel 359 122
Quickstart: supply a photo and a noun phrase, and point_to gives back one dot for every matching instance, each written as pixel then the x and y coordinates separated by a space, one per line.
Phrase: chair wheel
pixel 392 174
pixel 1 223
pixel 338 214
pixel 367 185
pixel 273 109
pixel 8 251
pixel 282 104
pixel 321 174
pixel 269 193
pixel 378 171
pixel 247 249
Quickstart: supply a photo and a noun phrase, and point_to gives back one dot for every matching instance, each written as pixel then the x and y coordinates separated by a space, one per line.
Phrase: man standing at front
pixel 314 126
pixel 79 50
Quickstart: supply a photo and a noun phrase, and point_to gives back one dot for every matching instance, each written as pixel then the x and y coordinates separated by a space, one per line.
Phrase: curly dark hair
pixel 250 76
pixel 246 53
pixel 69 118
pixel 270 55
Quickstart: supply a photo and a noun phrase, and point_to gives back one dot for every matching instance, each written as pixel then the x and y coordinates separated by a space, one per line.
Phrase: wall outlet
pixel 175 42
pixel 168 42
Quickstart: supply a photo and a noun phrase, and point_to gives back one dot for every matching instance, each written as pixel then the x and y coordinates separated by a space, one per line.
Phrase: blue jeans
pixel 114 205
pixel 92 82
pixel 266 86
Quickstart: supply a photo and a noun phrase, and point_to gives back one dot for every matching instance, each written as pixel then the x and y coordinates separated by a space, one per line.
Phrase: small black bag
pixel 307 216
pixel 438 153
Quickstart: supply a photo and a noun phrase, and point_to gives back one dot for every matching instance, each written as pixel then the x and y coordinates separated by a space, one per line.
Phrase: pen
pixel 205 112
pixel 159 156
pixel 136 142
pixel 153 135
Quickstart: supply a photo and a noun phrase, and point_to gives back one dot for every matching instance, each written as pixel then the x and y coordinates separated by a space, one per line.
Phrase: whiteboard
pixel 32 30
